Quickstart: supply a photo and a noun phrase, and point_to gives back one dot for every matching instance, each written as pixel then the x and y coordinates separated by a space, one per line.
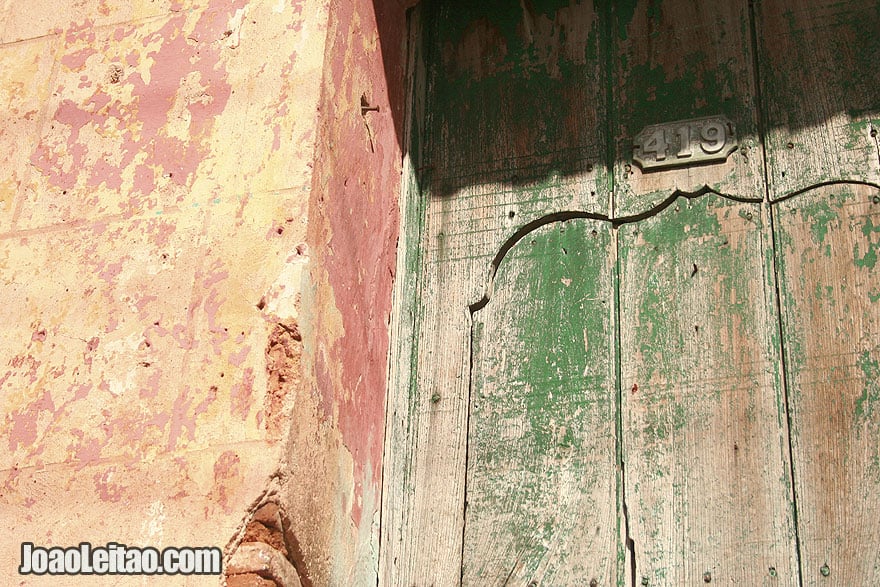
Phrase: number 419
pixel 712 137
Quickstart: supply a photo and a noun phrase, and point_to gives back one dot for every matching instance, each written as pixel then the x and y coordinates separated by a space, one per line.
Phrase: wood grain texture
pixel 829 242
pixel 504 139
pixel 542 487
pixel 517 101
pixel 513 112
pixel 675 60
pixel 397 491
pixel 819 80
pixel 705 446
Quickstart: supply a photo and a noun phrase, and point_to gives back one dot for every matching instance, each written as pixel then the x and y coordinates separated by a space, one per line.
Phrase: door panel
pixel 506 139
pixel 520 449
pixel 542 485
pixel 829 243
pixel 705 449
pixel 504 112
pixel 675 60
pixel 819 88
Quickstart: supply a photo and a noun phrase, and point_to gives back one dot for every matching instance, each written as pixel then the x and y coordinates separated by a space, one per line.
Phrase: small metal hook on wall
pixel 365 106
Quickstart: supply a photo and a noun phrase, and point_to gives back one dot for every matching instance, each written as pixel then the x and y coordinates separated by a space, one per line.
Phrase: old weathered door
pixel 542 482
pixel 608 374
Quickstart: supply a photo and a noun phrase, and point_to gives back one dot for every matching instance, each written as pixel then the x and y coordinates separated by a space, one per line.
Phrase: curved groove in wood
pixel 824 184
pixel 565 215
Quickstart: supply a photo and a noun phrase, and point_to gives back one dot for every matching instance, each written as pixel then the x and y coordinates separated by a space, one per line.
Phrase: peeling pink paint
pixel 77 60
pixel 162 231
pixel 153 386
pixel 149 111
pixel 242 395
pixel 107 491
pixel 219 334
pixel 143 302
pixel 181 334
pixel 24 422
pixel 359 263
pixel 84 30
pixel 9 485
pixel 238 358
pixel 167 305
pixel 112 324
pixel 133 431
pixel 33 366
pixel 80 391
pixel 85 452
pixel 215 275
pixel 226 471
pixel 105 173
pixel 181 417
pixel 111 272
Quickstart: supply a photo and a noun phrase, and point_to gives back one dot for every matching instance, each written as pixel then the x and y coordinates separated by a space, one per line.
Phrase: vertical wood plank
pixel 819 80
pixel 517 101
pixel 542 487
pixel 705 444
pixel 396 491
pixel 829 242
pixel 513 130
pixel 680 59
pixel 437 431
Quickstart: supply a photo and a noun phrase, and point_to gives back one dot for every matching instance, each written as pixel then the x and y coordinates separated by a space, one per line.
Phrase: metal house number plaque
pixel 685 142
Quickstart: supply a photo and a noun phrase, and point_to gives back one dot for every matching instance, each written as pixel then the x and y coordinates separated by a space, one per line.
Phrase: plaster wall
pixel 353 230
pixel 198 227
pixel 156 182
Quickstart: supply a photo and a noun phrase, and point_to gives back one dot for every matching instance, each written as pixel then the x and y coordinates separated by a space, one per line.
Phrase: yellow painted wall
pixel 156 163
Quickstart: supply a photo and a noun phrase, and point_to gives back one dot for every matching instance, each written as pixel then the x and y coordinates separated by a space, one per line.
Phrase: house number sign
pixel 685 142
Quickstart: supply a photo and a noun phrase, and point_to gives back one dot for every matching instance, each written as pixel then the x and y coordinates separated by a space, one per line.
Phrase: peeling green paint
pixel 869 259
pixel 819 214
pixel 870 397
pixel 697 91
pixel 544 408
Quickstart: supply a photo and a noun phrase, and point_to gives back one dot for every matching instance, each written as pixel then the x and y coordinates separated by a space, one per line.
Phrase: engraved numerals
pixel 657 145
pixel 684 142
pixel 712 137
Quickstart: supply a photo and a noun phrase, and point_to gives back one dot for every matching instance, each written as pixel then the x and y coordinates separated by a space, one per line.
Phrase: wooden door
pixel 705 453
pixel 606 375
pixel 823 170
pixel 543 482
